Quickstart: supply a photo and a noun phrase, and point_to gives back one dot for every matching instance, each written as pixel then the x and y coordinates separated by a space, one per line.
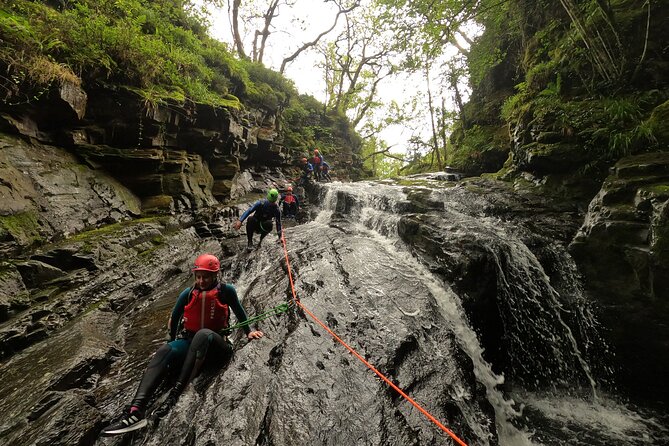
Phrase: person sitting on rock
pixel 290 203
pixel 195 336
pixel 261 221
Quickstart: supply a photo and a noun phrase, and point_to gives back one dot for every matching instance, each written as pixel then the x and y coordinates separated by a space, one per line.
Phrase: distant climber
pixel 195 337
pixel 290 203
pixel 307 170
pixel 325 171
pixel 316 161
pixel 261 221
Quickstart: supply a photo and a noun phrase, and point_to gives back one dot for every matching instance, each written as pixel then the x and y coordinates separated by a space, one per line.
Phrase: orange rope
pixel 364 361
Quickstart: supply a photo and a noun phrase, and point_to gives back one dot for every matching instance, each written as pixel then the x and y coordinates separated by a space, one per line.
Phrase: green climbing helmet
pixel 273 195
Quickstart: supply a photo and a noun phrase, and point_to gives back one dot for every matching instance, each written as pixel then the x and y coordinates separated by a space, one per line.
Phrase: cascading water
pixel 549 332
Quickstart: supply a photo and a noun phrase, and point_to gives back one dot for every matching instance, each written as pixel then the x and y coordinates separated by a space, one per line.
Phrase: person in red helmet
pixel 290 203
pixel 195 336
pixel 317 162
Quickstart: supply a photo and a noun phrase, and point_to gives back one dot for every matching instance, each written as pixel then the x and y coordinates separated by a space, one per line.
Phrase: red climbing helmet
pixel 289 189
pixel 207 262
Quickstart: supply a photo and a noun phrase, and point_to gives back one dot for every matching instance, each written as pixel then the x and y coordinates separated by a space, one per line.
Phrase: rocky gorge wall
pixel 96 186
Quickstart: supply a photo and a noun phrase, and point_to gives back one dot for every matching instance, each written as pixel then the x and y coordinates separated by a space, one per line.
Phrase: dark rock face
pixel 623 252
pixel 172 156
pixel 50 195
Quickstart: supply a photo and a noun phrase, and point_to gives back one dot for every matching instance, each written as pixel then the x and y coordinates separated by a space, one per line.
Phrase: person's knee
pixel 203 335
pixel 161 356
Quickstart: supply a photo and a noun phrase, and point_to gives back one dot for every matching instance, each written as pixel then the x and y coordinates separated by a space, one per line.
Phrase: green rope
pixel 269 313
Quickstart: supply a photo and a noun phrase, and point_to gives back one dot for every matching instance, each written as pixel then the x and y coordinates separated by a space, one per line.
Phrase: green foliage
pixel 158 46
pixel 467 155
pixel 378 165
pixel 299 120
pixel 158 49
pixel 307 125
pixel 608 127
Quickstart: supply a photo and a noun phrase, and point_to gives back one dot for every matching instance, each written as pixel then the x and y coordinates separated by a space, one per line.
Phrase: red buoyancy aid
pixel 316 160
pixel 289 198
pixel 206 311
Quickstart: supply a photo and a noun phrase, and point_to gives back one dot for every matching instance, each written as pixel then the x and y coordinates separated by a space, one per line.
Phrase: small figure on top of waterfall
pixel 307 170
pixel 290 203
pixel 317 161
pixel 261 221
pixel 195 337
pixel 325 171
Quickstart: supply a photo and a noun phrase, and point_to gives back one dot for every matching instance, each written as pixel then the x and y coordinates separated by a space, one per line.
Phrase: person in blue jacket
pixel 195 336
pixel 261 221
pixel 325 171
pixel 307 171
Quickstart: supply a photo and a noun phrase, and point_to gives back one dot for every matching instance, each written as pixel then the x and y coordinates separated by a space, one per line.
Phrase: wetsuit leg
pixel 204 341
pixel 167 356
pixel 265 227
pixel 251 228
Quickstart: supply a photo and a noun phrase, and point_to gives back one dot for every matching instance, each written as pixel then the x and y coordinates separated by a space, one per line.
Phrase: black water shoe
pixel 129 422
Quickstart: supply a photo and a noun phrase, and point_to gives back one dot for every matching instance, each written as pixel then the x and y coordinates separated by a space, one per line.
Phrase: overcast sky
pixel 287 35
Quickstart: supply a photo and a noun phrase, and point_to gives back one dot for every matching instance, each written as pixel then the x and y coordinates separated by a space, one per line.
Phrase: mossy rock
pixel 22 227
pixel 659 122
pixel 655 164
pixel 552 158
pixel 158 203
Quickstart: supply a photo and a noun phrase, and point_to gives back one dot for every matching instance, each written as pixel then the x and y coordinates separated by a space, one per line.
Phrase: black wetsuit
pixel 261 221
pixel 188 350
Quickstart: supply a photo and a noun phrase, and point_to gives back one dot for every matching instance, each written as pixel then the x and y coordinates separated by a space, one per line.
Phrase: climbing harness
pixel 363 360
pixel 262 228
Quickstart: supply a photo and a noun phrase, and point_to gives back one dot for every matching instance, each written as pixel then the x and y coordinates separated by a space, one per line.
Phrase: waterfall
pixel 550 333
pixel 377 212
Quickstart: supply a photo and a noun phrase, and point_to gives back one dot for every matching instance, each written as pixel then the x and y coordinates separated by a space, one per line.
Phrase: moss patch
pixel 111 229
pixel 22 227
pixel 659 123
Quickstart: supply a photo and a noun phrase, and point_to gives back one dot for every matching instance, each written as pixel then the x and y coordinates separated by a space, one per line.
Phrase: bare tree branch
pixel 314 42
pixel 386 152
pixel 268 16
pixel 645 43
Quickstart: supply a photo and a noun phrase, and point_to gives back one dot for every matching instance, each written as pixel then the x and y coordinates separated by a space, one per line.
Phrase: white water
pixel 376 213
pixel 376 223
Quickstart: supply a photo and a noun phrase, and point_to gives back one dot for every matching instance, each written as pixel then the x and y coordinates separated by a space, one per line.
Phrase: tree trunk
pixel 235 29
pixel 435 142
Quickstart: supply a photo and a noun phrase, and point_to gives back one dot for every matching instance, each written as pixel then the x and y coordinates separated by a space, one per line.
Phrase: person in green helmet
pixel 260 217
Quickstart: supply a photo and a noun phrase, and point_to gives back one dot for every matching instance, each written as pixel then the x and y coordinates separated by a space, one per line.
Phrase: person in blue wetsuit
pixel 195 336
pixel 325 171
pixel 290 203
pixel 261 221
pixel 307 170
